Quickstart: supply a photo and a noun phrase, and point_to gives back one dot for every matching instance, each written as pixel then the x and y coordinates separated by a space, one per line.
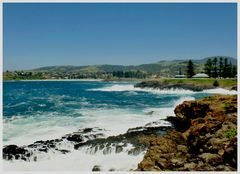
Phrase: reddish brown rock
pixel 204 140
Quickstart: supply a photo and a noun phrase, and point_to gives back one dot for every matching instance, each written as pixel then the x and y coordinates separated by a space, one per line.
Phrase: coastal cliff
pixel 204 139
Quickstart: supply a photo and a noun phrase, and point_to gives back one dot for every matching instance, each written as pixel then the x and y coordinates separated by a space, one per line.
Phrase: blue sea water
pixel 69 104
pixel 44 110
pixel 28 98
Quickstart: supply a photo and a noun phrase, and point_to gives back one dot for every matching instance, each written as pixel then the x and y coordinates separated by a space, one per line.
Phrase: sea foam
pixel 127 87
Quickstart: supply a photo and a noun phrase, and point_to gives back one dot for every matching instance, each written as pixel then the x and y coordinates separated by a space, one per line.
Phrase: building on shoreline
pixel 180 76
pixel 200 75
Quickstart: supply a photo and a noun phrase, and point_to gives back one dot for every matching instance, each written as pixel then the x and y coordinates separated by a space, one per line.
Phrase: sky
pixel 48 34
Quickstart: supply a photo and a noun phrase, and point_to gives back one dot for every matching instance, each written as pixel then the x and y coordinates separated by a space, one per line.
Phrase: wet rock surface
pixel 14 152
pixel 32 151
pixel 96 168
pixel 138 138
pixel 133 142
pixel 204 139
pixel 160 85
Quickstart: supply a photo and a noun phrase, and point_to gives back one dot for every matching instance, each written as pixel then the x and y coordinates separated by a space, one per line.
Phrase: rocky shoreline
pixel 133 142
pixel 203 137
pixel 159 85
pixel 155 84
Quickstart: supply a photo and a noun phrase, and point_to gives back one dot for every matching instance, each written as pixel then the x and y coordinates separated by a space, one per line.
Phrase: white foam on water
pixel 46 126
pixel 78 160
pixel 115 88
pixel 220 91
pixel 123 87
pixel 23 130
pixel 26 130
pixel 118 88
pixel 117 121
pixel 114 121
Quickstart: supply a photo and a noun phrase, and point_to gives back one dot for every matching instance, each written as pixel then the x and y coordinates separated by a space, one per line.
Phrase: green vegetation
pixel 130 74
pixel 215 67
pixel 215 83
pixel 227 106
pixel 190 69
pixel 231 133
pixel 165 68
pixel 20 75
pixel 224 83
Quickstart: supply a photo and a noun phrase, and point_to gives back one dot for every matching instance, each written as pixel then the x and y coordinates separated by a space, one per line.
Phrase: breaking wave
pixel 119 88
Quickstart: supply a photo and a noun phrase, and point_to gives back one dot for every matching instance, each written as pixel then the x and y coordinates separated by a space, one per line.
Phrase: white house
pixel 200 75
pixel 180 76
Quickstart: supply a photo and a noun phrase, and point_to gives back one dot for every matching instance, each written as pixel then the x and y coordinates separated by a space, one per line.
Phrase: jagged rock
pixel 182 148
pixel 75 137
pixel 86 130
pixel 136 151
pixel 13 151
pixel 107 150
pixel 63 151
pixel 234 88
pixel 96 168
pixel 210 158
pixel 160 85
pixel 206 140
pixel 43 150
pixel 118 149
pixel 189 166
pixel 191 109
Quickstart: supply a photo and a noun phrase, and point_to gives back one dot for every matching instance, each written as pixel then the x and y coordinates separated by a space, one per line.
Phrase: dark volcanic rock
pixel 138 137
pixel 14 152
pixel 63 151
pixel 75 137
pixel 119 149
pixel 77 146
pixel 234 88
pixel 96 168
pixel 160 85
pixel 86 130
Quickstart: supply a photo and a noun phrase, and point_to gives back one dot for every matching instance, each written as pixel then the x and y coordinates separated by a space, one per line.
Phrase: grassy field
pixel 224 83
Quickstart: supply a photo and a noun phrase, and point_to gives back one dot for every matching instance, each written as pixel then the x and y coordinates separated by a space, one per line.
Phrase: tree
pixel 234 71
pixel 215 83
pixel 208 67
pixel 225 68
pixel 215 72
pixel 229 70
pixel 220 67
pixel 190 69
pixel 180 71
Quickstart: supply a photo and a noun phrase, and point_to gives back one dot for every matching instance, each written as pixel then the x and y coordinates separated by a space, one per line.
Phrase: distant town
pixel 214 67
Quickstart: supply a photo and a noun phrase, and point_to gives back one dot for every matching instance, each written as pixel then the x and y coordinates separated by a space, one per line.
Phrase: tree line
pixel 219 67
pixel 215 68
pixel 18 75
pixel 129 74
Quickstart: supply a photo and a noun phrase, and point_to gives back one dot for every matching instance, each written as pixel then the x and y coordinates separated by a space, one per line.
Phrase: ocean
pixel 45 110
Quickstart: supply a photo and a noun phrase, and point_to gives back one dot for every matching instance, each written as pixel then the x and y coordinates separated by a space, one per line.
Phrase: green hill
pixel 163 68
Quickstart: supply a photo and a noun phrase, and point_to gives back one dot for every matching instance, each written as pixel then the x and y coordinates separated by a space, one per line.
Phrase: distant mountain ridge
pixel 163 67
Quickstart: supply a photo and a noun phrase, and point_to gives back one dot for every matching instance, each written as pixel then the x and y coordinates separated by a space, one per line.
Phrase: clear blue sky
pixel 36 35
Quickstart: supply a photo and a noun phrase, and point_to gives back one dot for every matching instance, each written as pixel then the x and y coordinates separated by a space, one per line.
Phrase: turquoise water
pixel 30 98
pixel 44 110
